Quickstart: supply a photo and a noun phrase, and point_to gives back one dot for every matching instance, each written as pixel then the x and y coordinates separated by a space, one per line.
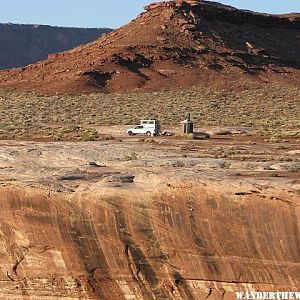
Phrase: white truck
pixel 146 127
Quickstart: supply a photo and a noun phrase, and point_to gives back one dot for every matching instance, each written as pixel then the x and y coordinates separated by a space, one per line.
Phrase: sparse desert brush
pixel 89 138
pixel 223 132
pixel 274 174
pixel 281 147
pixel 105 137
pixel 274 139
pixel 271 109
pixel 131 156
pixel 73 133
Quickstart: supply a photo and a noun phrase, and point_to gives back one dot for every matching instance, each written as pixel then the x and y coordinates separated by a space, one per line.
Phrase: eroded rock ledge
pixel 183 241
pixel 156 227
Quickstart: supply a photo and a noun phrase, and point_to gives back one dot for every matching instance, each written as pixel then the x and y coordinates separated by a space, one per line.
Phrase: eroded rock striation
pixel 173 231
pixel 174 44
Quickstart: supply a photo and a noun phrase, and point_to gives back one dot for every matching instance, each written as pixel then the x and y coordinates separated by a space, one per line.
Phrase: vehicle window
pixel 139 127
pixel 147 122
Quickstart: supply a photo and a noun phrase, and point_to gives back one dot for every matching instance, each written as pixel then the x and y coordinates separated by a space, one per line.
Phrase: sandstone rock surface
pixel 188 231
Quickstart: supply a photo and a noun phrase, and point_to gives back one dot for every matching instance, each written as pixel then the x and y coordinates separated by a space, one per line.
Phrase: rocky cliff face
pixel 158 227
pixel 172 44
pixel 25 44
pixel 182 242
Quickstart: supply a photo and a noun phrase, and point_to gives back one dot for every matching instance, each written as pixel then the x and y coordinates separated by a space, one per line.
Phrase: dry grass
pixel 271 109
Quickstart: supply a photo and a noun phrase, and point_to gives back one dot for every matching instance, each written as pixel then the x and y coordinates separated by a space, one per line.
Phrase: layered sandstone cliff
pixel 22 45
pixel 157 227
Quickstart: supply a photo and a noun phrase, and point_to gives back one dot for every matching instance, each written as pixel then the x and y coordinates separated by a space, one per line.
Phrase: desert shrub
pixel 131 156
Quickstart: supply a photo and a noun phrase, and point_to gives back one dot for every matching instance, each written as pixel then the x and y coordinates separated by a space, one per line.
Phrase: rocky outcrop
pixel 183 241
pixel 171 44
pixel 22 45
pixel 141 229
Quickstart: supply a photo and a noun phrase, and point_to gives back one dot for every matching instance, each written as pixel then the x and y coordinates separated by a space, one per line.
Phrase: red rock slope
pixel 172 44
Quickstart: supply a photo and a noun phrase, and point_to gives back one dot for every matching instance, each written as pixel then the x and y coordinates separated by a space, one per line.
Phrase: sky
pixel 107 13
